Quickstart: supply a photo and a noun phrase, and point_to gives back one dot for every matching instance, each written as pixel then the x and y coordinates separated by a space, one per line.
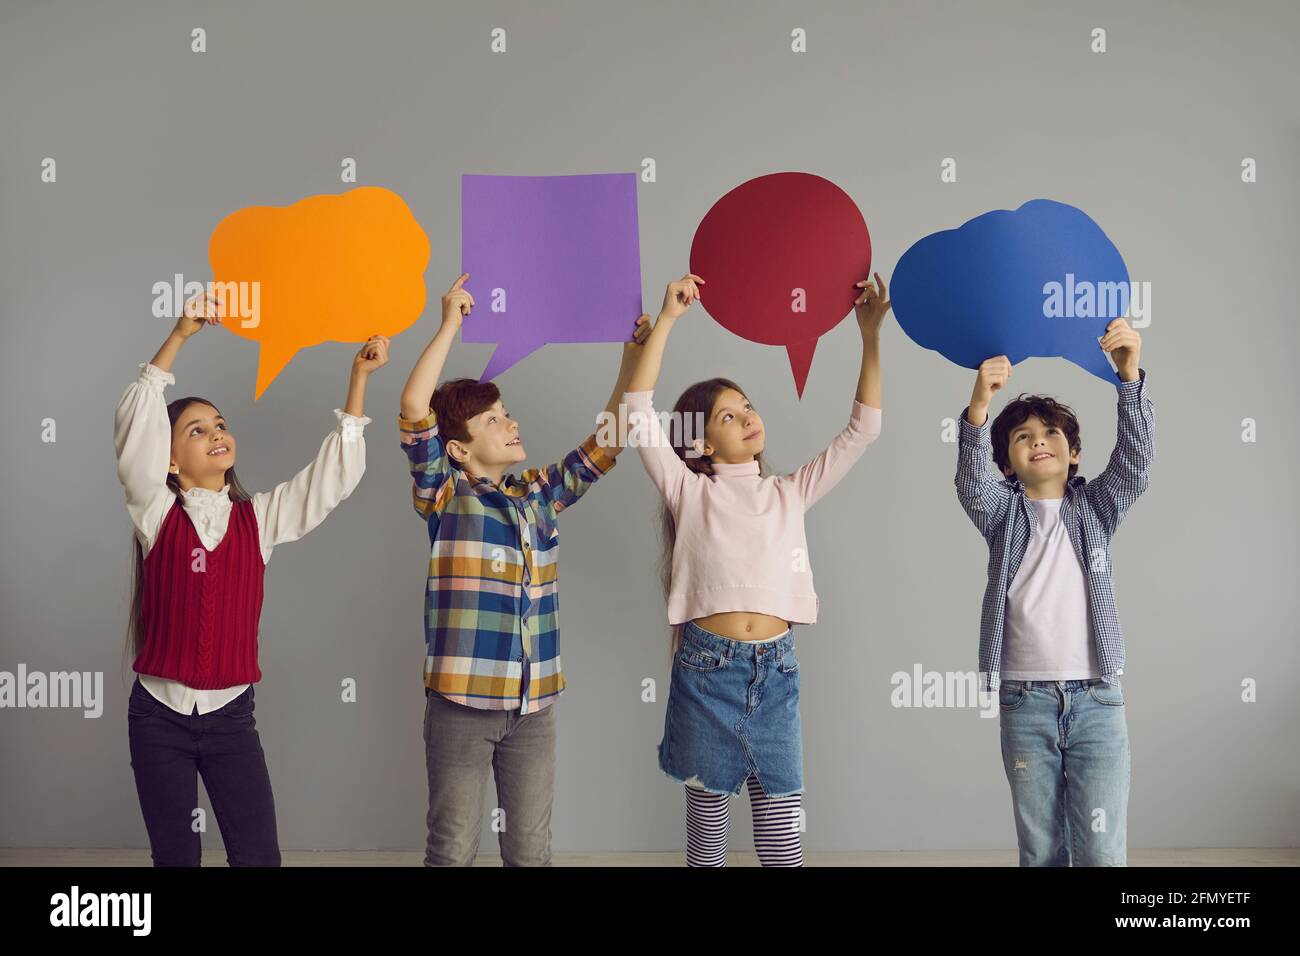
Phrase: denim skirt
pixel 733 710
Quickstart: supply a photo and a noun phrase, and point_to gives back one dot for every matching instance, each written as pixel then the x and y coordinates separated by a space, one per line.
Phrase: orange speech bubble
pixel 326 269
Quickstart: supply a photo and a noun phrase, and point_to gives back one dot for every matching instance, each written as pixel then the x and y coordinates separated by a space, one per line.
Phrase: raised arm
pixel 142 433
pixel 677 299
pixel 666 470
pixel 607 423
pixel 298 505
pixel 824 472
pixel 416 422
pixel 984 496
pixel 1127 474
pixel 428 368
pixel 561 484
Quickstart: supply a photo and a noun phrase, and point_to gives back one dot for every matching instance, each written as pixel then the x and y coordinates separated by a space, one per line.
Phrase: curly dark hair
pixel 1047 410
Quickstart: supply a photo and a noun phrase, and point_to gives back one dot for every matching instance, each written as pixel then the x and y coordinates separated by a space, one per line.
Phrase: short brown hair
pixel 1047 410
pixel 456 401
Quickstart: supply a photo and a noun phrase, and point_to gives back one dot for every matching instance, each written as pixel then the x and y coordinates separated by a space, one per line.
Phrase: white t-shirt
pixel 1047 634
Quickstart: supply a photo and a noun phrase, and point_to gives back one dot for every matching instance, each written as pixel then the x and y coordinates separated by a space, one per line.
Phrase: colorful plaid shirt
pixel 1091 512
pixel 491 606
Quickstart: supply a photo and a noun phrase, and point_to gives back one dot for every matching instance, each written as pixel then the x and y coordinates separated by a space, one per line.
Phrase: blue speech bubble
pixel 1040 281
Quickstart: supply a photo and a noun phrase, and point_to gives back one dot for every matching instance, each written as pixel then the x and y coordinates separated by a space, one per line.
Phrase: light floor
pixel 1210 857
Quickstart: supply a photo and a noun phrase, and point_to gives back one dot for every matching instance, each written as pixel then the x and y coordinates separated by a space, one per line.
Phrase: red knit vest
pixel 200 620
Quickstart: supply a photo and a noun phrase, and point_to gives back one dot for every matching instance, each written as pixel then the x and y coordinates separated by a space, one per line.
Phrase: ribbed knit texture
pixel 200 626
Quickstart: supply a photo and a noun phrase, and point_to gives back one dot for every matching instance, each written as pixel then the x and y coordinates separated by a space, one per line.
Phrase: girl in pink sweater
pixel 737 576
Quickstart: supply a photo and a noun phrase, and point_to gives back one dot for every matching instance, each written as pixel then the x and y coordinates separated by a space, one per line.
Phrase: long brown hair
pixel 134 625
pixel 698 400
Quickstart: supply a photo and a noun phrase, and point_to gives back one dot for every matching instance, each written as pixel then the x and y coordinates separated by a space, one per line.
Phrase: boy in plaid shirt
pixel 492 671
pixel 1050 640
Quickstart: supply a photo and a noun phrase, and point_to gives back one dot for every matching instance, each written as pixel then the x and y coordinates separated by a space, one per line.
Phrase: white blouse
pixel 142 434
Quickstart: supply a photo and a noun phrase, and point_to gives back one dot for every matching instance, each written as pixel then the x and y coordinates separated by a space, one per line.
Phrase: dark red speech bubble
pixel 781 256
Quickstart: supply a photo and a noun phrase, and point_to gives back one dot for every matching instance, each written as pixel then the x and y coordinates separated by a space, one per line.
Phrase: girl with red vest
pixel 201 546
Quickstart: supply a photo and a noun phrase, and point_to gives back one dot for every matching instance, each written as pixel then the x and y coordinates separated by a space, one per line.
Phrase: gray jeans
pixel 460 745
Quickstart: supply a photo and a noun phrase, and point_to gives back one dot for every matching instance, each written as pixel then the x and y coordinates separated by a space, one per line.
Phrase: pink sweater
pixel 740 538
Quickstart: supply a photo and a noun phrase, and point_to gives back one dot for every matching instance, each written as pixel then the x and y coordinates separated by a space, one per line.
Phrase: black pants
pixel 170 750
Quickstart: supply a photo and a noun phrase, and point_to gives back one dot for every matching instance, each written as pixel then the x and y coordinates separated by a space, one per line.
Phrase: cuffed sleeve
pixel 427 461
pixel 563 483
pixel 142 436
pixel 300 504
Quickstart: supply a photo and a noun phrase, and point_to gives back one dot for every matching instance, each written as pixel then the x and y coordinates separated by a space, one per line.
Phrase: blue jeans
pixel 1066 755
pixel 733 711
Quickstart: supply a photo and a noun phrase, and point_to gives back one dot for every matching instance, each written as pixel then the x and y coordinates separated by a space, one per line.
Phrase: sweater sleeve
pixel 142 435
pixel 825 471
pixel 298 505
pixel 668 472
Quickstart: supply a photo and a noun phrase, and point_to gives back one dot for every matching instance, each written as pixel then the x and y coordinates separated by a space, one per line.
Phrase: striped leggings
pixel 777 824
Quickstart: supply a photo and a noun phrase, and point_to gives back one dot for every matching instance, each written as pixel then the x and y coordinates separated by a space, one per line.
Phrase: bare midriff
pixel 743 626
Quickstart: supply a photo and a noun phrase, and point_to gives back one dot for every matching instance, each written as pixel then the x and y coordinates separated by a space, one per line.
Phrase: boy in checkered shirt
pixel 1050 639
pixel 491 612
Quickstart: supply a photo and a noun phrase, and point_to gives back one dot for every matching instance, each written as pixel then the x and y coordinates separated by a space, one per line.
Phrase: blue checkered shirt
pixel 1090 511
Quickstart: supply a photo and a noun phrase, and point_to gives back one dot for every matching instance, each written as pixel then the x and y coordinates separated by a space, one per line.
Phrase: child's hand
pixel 201 310
pixel 373 355
pixel 992 375
pixel 640 332
pixel 871 306
pixel 1124 344
pixel 456 303
pixel 680 295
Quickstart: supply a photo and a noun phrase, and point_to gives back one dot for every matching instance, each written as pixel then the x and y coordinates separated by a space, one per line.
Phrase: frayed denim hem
pixel 696 783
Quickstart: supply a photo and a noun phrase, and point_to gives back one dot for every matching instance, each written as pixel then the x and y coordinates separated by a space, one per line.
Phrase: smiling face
pixel 1040 454
pixel 203 448
pixel 734 432
pixel 494 443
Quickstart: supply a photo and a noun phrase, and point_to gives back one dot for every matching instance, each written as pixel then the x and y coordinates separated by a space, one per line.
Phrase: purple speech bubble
pixel 550 259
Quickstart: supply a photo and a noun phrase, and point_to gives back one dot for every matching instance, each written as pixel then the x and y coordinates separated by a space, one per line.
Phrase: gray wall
pixel 155 144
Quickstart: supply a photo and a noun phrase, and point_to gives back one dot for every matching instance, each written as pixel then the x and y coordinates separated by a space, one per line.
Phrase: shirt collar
pixel 737 470
pixel 203 494
pixel 205 499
